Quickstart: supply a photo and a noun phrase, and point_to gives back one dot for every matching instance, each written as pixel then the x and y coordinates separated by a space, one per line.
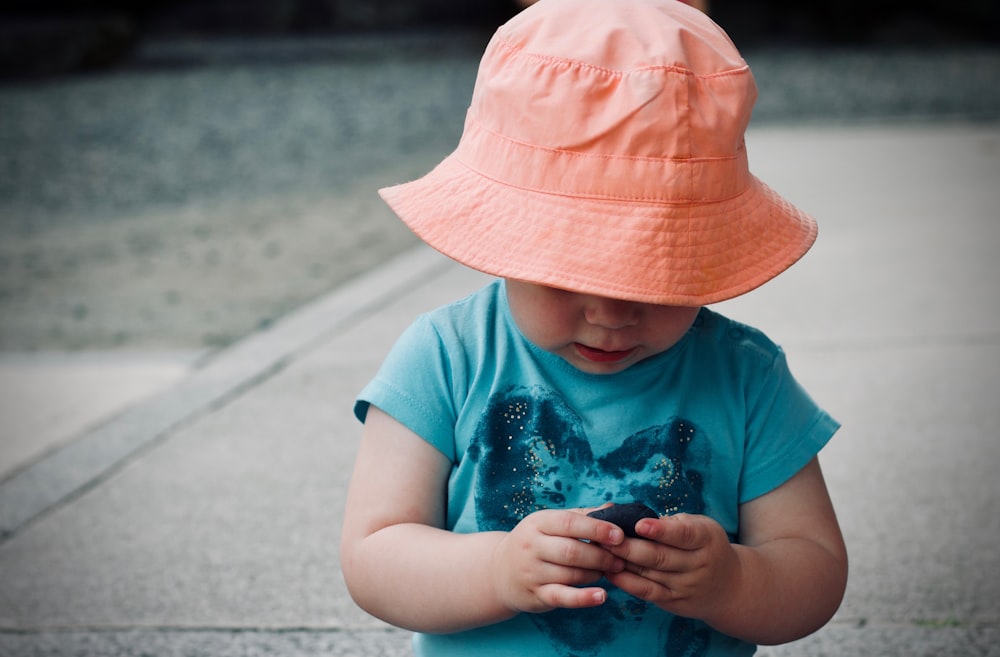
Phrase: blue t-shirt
pixel 713 422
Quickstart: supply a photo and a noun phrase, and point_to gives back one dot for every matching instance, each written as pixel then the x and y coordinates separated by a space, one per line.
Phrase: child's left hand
pixel 685 567
pixel 781 581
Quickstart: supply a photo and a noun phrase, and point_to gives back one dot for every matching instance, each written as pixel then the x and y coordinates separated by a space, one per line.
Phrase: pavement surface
pixel 182 496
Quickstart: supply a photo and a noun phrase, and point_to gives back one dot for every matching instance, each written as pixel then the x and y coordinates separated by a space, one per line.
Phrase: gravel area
pixel 203 190
pixel 209 188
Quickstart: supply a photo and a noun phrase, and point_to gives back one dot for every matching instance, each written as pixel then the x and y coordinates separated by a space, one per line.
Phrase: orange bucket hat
pixel 603 153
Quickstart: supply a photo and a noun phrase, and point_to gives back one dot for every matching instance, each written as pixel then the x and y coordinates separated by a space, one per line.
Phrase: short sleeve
pixel 785 430
pixel 413 386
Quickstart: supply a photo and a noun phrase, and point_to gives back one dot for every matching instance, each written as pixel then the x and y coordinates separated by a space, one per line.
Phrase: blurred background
pixel 177 174
pixel 54 36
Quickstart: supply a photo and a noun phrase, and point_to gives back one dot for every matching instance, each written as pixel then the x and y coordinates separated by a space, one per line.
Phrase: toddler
pixel 602 179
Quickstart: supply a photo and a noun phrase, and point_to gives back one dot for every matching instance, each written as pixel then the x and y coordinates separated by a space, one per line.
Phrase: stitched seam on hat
pixel 602 197
pixel 503 41
pixel 598 195
pixel 603 156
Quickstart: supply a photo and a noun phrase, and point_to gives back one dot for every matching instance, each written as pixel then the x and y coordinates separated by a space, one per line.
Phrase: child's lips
pixel 600 355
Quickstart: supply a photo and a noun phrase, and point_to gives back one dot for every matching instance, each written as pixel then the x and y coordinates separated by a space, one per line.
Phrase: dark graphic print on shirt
pixel 531 453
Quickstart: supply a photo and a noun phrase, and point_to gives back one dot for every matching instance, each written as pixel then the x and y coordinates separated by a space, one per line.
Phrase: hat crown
pixel 619 78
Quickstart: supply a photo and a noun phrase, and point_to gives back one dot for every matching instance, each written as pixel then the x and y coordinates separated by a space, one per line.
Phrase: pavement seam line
pixel 92 457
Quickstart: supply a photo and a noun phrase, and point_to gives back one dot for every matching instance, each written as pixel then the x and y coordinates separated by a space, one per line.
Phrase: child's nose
pixel 611 313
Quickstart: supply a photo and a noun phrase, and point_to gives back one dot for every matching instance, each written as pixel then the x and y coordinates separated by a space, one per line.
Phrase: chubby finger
pixel 682 531
pixel 580 555
pixel 571 597
pixel 641 587
pixel 644 557
pixel 577 524
pixel 671 546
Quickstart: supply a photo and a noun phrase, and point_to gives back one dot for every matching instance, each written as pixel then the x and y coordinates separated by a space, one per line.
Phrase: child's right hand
pixel 545 560
pixel 402 565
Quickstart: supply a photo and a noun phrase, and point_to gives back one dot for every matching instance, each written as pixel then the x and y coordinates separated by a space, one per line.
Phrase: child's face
pixel 597 335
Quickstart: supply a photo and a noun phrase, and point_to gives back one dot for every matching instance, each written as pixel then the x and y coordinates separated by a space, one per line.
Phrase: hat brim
pixel 684 254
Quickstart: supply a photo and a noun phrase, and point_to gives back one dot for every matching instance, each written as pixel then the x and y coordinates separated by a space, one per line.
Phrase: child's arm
pixel 783 581
pixel 403 567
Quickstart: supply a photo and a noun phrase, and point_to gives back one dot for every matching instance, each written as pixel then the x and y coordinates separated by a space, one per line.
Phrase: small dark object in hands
pixel 625 516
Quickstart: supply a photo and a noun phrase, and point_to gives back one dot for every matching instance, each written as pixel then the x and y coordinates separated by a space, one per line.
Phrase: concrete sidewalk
pixel 205 519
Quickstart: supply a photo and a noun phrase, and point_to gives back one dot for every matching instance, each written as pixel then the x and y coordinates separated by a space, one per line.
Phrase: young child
pixel 602 177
